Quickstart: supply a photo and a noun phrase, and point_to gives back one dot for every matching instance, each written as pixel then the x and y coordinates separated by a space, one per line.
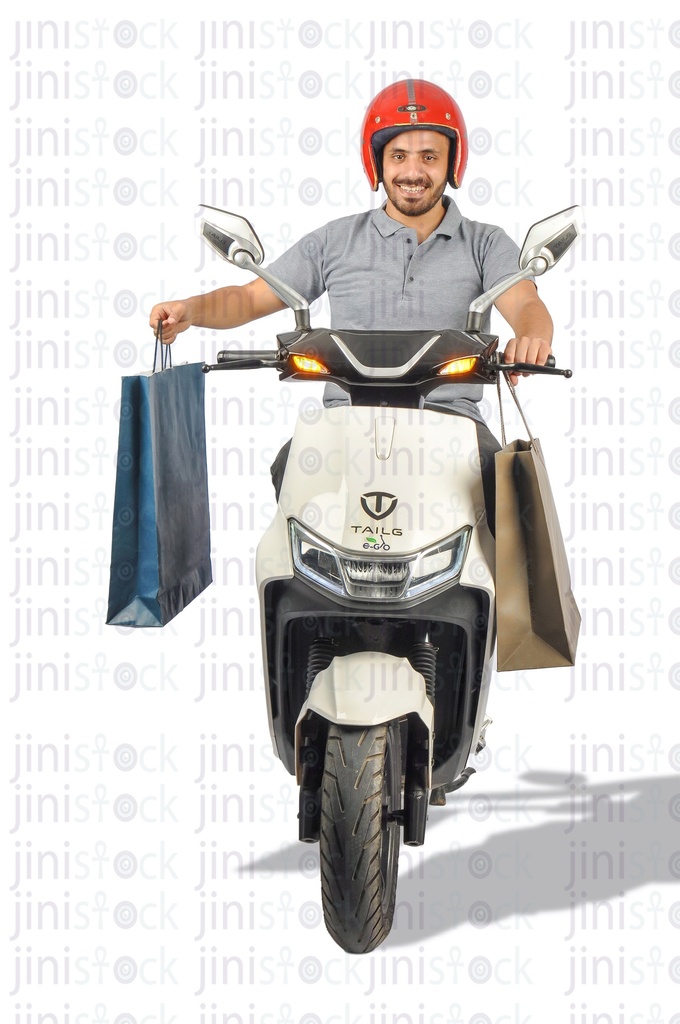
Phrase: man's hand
pixel 174 316
pixel 526 350
pixel 532 325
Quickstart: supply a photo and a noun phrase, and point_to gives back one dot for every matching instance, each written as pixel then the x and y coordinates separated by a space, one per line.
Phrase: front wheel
pixel 359 838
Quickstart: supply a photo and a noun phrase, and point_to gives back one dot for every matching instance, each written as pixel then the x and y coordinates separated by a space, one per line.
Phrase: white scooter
pixel 376 582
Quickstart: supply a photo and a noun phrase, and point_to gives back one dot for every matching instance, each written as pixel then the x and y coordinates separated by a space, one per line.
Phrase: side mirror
pixel 229 234
pixel 234 239
pixel 545 244
pixel 548 240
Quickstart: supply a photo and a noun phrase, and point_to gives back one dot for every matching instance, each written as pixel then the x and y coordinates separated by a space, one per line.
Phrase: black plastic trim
pixel 455 620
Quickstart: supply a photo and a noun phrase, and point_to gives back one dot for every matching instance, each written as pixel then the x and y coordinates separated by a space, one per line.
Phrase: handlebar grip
pixel 258 359
pixel 231 356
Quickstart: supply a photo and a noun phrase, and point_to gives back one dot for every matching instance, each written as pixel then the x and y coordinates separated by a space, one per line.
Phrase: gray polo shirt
pixel 379 278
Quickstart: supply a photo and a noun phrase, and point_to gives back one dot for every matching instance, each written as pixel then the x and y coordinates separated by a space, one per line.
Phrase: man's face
pixel 414 168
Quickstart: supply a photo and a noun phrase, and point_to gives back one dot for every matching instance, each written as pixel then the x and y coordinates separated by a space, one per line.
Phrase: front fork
pixel 365 689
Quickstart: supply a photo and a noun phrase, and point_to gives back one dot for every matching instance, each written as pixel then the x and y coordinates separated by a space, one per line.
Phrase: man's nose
pixel 411 167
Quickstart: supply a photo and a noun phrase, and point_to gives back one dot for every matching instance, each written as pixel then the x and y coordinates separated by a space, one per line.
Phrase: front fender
pixel 367 688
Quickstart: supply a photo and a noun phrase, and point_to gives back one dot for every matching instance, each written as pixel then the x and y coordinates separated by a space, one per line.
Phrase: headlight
pixel 383 578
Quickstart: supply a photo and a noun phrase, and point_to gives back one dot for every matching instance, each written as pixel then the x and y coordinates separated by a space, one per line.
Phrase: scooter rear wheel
pixel 359 838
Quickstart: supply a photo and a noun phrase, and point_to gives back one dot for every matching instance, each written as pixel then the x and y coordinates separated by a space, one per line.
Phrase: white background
pixel 548 887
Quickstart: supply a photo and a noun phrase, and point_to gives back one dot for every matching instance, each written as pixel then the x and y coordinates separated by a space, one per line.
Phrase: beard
pixel 417 204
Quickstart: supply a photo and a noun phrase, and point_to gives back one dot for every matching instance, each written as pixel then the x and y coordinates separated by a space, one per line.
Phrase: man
pixel 414 264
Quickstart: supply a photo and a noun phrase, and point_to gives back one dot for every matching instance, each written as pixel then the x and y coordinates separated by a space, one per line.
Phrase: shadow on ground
pixel 547 845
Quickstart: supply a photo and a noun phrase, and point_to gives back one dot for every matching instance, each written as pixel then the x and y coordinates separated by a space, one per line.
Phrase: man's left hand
pixel 526 350
pixel 530 321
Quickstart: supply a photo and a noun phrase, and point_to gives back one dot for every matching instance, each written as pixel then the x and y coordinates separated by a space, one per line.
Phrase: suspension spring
pixel 423 658
pixel 321 654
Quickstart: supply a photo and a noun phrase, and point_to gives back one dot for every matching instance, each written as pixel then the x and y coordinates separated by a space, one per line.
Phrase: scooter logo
pixel 379 498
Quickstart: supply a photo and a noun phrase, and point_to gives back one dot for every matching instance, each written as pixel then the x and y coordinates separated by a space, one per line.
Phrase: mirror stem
pixel 292 299
pixel 480 305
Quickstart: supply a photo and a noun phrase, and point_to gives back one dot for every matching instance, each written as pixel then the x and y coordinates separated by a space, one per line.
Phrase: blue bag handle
pixel 166 353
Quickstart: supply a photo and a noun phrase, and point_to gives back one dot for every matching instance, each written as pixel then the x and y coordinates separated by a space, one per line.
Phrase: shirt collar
pixel 448 226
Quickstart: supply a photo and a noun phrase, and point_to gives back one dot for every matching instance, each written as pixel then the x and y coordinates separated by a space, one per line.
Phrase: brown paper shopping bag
pixel 537 617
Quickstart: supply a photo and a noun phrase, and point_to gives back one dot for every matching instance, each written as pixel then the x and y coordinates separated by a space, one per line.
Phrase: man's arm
pixel 226 307
pixel 531 323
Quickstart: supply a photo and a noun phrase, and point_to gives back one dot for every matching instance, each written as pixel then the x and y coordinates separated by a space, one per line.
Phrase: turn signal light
pixel 307 365
pixel 459 366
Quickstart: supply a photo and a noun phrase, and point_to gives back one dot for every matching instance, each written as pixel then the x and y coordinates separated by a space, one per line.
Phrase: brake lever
pixel 534 368
pixel 493 364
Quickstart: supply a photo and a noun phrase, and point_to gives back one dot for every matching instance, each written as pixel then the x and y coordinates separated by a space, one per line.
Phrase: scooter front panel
pixel 397 483
pixel 388 481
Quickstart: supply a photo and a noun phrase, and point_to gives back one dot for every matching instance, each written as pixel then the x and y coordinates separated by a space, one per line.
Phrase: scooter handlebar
pixel 272 359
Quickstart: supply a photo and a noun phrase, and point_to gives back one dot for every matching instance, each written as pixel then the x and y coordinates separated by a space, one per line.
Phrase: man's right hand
pixel 174 316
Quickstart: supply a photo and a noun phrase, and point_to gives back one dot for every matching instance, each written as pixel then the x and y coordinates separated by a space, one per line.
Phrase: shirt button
pixel 411 279
pixel 408 241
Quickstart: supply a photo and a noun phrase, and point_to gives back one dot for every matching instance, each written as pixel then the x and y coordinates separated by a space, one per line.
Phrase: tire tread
pixel 358 903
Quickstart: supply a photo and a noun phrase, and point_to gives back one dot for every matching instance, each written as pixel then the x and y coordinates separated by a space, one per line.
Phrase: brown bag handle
pixel 516 400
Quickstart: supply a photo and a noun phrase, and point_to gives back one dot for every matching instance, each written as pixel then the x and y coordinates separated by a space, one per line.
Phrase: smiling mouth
pixel 412 190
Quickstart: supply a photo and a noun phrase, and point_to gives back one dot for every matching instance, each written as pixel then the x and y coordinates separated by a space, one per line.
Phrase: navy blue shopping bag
pixel 160 552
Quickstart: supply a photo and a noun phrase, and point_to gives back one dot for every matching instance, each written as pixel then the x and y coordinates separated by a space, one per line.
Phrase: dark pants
pixel 488 446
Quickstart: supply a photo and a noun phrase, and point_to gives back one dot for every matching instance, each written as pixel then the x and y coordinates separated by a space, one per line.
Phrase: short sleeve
pixel 500 258
pixel 302 266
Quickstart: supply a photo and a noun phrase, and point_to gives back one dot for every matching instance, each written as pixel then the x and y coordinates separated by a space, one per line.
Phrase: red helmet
pixel 406 105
